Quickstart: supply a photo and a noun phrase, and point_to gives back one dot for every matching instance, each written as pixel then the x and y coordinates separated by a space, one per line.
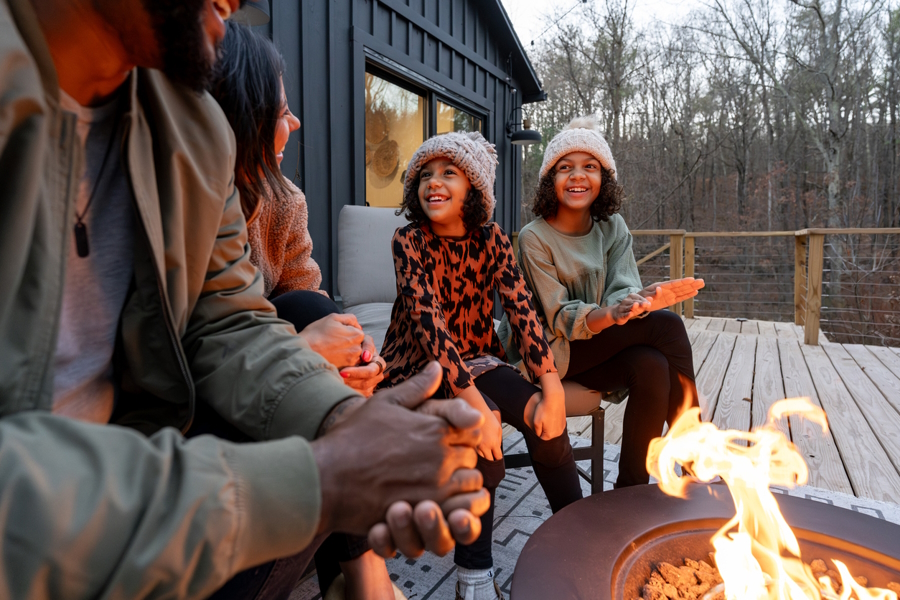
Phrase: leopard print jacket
pixel 445 303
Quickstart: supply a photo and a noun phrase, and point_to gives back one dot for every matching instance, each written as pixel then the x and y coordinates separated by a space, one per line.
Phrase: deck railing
pixel 843 256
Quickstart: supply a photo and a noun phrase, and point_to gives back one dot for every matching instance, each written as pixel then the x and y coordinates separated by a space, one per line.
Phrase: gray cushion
pixel 374 318
pixel 365 262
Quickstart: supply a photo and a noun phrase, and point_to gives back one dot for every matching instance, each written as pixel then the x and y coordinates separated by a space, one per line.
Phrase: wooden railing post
pixel 814 289
pixel 689 272
pixel 676 262
pixel 800 243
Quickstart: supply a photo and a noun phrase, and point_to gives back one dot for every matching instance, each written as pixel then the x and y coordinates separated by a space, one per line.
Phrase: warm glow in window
pixel 395 128
pixel 450 118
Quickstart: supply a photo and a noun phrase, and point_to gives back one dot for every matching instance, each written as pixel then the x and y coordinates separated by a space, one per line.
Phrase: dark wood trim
pixel 416 71
pixel 359 122
pixel 439 34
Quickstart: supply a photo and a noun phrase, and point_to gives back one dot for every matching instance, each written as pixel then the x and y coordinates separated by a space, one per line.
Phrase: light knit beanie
pixel 473 154
pixel 581 135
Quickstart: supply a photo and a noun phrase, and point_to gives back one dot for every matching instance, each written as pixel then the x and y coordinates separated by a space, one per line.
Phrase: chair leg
pixel 598 422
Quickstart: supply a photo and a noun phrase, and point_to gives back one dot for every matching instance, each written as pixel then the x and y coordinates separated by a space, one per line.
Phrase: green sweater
pixel 570 276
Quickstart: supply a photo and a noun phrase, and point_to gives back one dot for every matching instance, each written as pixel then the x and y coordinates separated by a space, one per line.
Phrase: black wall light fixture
pixel 524 136
pixel 254 12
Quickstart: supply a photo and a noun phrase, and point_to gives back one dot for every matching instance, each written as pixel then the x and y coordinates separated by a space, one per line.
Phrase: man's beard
pixel 179 33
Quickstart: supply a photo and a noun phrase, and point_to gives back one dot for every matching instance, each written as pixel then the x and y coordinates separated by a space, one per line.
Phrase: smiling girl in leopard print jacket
pixel 448 262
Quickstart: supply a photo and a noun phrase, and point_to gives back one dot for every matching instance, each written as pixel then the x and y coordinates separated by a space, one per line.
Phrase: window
pixel 450 118
pixel 398 119
pixel 395 128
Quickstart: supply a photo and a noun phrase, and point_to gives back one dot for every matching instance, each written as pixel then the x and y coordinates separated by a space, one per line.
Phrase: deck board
pixel 732 326
pixel 826 470
pixel 886 382
pixel 711 375
pixel 882 417
pixel 786 330
pixel 750 327
pixel 615 413
pixel 716 325
pixel 767 328
pixel 887 357
pixel 768 384
pixel 701 344
pixel 868 466
pixel 732 407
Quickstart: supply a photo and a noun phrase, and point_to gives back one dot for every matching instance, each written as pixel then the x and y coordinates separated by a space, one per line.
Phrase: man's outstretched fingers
pixel 457 412
pixel 403 530
pixel 463 481
pixel 380 541
pixel 433 528
pixel 476 503
pixel 464 526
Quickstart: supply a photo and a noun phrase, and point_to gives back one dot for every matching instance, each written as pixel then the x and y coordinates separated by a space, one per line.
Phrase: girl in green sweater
pixel 607 331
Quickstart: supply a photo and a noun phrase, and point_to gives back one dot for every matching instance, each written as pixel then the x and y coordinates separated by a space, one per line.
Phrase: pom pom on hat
pixel 582 134
pixel 473 154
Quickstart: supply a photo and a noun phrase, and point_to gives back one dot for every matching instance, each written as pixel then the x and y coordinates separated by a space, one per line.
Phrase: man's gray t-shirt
pixel 96 286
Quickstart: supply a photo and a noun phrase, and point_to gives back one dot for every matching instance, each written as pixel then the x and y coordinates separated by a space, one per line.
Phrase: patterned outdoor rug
pixel 521 508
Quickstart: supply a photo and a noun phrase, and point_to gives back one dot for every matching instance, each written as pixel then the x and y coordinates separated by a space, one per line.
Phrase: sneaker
pixel 486 591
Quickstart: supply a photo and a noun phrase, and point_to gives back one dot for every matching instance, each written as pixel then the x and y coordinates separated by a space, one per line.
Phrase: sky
pixel 529 17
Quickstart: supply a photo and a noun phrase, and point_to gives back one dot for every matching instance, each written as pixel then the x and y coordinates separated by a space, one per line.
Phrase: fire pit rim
pixel 581 564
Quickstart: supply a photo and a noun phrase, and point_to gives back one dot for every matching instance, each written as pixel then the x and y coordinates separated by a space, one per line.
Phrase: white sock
pixel 470 580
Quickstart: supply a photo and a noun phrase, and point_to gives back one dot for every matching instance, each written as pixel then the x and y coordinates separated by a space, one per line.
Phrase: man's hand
pixel 338 338
pixel 365 376
pixel 667 293
pixel 415 531
pixel 545 412
pixel 396 447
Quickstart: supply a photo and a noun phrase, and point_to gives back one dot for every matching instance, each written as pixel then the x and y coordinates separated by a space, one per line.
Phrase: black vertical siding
pixel 450 46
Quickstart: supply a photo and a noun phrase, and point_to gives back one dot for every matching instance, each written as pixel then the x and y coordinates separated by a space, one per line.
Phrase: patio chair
pixel 367 286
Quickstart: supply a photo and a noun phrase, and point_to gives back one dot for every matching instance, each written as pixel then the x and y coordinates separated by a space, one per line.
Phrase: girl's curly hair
pixel 608 201
pixel 474 213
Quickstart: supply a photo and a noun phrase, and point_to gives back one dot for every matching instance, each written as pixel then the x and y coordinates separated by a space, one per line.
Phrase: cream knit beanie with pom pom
pixel 473 154
pixel 581 135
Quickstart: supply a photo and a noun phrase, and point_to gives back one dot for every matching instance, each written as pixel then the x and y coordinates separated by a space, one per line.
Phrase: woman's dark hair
pixel 474 213
pixel 247 86
pixel 608 201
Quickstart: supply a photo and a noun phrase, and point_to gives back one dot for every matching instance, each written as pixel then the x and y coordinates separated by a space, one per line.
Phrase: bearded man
pixel 128 302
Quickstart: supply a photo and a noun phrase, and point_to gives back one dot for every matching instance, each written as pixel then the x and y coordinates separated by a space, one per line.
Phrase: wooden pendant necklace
pixel 81 234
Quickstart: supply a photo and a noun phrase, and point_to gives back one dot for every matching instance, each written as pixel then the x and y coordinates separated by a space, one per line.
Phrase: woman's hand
pixel 545 412
pixel 368 373
pixel 491 446
pixel 667 293
pixel 631 306
pixel 337 337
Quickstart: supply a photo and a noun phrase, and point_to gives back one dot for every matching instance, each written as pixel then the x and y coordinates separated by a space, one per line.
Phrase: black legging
pixel 644 356
pixel 505 390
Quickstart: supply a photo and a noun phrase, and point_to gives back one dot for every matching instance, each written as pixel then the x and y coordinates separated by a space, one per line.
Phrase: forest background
pixel 744 115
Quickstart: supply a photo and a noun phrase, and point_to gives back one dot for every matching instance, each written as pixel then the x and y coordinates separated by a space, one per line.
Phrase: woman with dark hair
pixel 606 329
pixel 249 88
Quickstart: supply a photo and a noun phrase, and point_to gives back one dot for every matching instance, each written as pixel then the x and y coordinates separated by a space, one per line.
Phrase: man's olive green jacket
pixel 103 511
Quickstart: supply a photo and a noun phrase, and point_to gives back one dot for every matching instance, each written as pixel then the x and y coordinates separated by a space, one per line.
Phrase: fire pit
pixel 605 546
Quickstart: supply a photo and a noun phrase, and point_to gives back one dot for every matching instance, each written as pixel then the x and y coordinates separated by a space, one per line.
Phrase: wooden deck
pixel 742 367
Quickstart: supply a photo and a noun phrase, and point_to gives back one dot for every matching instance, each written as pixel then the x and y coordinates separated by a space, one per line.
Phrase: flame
pixel 756 552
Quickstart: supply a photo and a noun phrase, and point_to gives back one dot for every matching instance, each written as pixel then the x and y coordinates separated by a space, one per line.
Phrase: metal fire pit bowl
pixel 605 546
